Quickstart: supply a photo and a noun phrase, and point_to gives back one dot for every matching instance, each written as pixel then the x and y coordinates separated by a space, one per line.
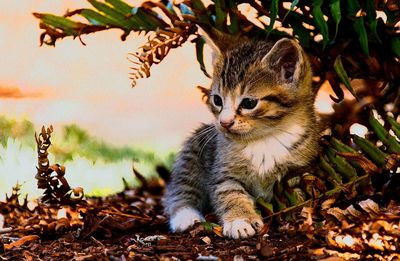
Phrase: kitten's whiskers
pixel 202 134
pixel 278 140
pixel 210 136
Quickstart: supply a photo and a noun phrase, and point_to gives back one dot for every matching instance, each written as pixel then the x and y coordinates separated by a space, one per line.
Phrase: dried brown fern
pixel 156 49
pixel 51 178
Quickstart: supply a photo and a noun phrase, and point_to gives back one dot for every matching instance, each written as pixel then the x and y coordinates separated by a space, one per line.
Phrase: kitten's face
pixel 250 111
pixel 258 90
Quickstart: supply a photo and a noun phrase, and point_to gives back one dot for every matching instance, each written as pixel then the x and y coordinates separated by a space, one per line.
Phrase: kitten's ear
pixel 286 59
pixel 219 42
pixel 205 92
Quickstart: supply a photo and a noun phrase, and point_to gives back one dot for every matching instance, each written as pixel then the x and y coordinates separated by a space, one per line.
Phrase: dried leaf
pixel 218 231
pixel 354 212
pixel 393 162
pixel 266 250
pixel 328 203
pixel 370 207
pixel 157 48
pixel 307 213
pixel 22 241
pixel 365 163
pixel 206 240
pixel 154 238
pixel 339 214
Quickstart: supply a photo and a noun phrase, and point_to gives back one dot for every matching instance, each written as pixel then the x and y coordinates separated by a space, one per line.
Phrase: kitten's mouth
pixel 233 134
pixel 245 137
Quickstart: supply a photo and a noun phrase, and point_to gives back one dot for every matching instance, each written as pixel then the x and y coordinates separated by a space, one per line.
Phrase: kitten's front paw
pixel 242 227
pixel 184 218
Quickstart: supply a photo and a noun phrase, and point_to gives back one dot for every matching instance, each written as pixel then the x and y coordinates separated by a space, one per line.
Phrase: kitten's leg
pixel 187 195
pixel 184 198
pixel 235 207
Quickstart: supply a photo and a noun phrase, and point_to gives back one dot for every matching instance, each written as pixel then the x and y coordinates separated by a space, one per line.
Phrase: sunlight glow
pixel 348 240
pixel 62 213
pixel 358 129
pixel 323 103
pixel 251 14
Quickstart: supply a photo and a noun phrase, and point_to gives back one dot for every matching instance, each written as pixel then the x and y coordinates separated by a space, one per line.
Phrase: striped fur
pixel 225 170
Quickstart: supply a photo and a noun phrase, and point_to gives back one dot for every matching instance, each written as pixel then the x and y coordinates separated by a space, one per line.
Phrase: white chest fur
pixel 265 154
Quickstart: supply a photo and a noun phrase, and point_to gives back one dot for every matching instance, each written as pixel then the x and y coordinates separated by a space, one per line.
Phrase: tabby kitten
pixel 265 126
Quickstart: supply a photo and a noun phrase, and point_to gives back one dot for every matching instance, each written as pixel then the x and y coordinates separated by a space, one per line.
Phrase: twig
pixel 96 226
pixel 5 230
pixel 110 212
pixel 283 254
pixel 97 242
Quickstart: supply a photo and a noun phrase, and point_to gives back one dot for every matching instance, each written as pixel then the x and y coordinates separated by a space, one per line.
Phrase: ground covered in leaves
pixel 131 226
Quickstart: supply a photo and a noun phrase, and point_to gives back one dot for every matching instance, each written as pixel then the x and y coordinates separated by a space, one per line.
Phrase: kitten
pixel 265 126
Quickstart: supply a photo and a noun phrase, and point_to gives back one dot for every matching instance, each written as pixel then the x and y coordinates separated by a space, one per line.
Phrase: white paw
pixel 184 218
pixel 242 228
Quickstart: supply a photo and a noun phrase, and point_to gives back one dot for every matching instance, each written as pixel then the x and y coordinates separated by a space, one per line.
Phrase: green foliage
pixel 383 135
pixel 22 130
pixel 78 141
pixel 339 69
pixel 319 21
pixel 348 169
pixel 367 45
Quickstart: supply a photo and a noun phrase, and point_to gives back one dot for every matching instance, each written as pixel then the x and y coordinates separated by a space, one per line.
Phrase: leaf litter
pixel 64 224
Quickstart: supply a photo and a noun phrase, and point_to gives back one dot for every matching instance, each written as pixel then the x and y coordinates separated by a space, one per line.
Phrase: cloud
pixel 16 93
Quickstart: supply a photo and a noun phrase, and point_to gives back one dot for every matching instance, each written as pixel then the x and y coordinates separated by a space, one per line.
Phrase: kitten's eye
pixel 217 100
pixel 248 103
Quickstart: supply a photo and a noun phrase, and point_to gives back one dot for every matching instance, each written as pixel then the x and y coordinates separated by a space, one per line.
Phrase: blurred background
pixel 100 122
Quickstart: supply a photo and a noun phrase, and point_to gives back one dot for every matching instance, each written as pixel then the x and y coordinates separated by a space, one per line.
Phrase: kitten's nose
pixel 227 124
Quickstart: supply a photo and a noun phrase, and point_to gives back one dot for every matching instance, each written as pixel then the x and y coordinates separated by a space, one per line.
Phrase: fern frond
pixel 156 49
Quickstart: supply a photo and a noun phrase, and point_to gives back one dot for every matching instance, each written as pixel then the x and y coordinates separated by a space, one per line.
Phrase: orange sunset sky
pixel 89 85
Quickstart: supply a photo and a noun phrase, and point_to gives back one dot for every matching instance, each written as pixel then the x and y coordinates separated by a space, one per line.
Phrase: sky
pixel 89 85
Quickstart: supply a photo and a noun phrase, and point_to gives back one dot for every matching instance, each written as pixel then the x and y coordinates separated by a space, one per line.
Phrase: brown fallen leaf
pixel 370 207
pixel 365 163
pixel 392 161
pixel 265 249
pixel 333 258
pixel 339 214
pixel 328 203
pixel 206 240
pixel 354 212
pixel 21 241
pixel 218 231
pixel 27 255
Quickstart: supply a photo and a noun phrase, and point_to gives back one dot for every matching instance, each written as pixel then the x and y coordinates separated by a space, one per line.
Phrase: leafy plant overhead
pixel 344 38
